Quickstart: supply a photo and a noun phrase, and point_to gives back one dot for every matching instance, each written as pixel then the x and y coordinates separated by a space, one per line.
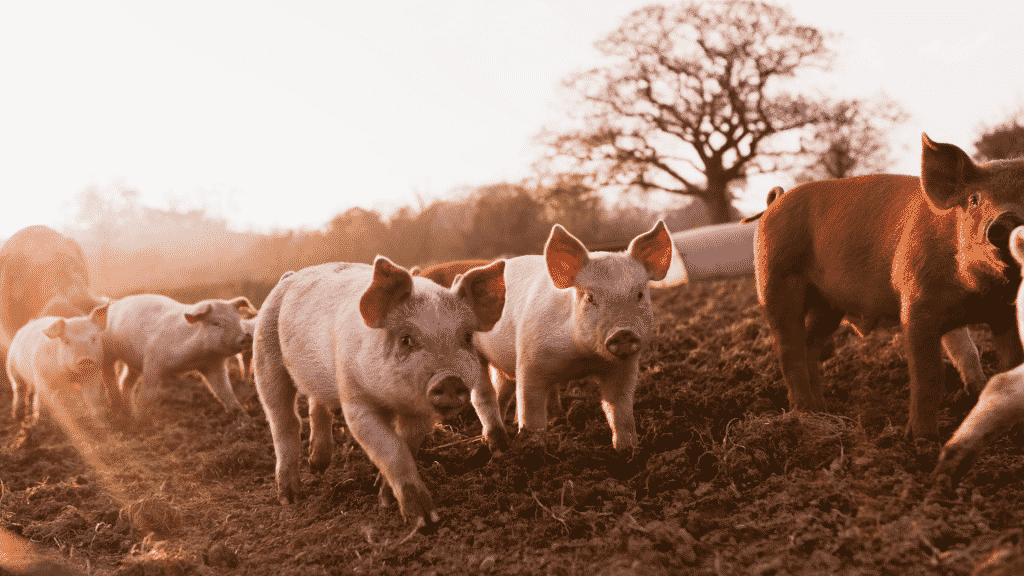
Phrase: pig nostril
pixel 623 343
pixel 998 231
pixel 449 394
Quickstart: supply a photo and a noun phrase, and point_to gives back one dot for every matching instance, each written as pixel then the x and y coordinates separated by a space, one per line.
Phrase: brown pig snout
pixel 448 395
pixel 623 343
pixel 998 230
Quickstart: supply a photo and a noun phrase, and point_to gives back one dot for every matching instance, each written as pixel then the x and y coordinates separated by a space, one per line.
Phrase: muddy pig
pixel 571 314
pixel 1000 405
pixel 56 362
pixel 157 337
pixel 931 253
pixel 394 351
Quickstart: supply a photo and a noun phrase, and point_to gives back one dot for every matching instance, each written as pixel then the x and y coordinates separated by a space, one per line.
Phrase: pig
pixel 393 351
pixel 572 314
pixel 1000 405
pixel 928 253
pixel 157 337
pixel 444 274
pixel 245 356
pixel 52 360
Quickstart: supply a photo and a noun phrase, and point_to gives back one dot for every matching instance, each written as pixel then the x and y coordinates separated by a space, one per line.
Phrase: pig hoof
pixel 385 498
pixel 497 443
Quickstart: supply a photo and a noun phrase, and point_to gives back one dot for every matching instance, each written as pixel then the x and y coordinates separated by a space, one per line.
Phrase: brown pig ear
pixel 945 172
pixel 196 313
pixel 653 249
pixel 1017 244
pixel 56 330
pixel 98 316
pixel 484 288
pixel 565 256
pixel 390 286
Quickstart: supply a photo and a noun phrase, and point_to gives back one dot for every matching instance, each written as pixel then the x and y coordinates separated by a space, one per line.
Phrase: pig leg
pixel 554 401
pixel 924 359
pixel 964 355
pixel 413 431
pixel 321 436
pixel 532 398
pixel 20 400
pixel 784 308
pixel 392 455
pixel 617 390
pixel 506 390
pixel 485 402
pixel 1000 405
pixel 821 321
pixel 217 380
pixel 1006 337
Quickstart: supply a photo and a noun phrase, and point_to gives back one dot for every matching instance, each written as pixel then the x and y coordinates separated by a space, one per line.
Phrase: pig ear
pixel 415 270
pixel 1017 244
pixel 653 249
pixel 98 316
pixel 484 288
pixel 56 330
pixel 945 172
pixel 242 304
pixel 197 312
pixel 391 285
pixel 565 256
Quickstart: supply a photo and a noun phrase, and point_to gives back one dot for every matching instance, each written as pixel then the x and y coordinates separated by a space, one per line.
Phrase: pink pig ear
pixel 98 316
pixel 390 286
pixel 55 330
pixel 197 312
pixel 565 256
pixel 242 304
pixel 653 249
pixel 1017 244
pixel 484 288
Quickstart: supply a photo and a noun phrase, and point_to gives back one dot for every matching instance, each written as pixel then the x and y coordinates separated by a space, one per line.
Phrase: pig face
pixel 987 202
pixel 427 344
pixel 82 338
pixel 611 298
pixel 221 324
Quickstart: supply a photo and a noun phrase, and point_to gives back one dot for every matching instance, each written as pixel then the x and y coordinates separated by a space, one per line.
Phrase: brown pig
pixel 1000 405
pixel 157 337
pixel 56 362
pixel 931 253
pixel 394 351
pixel 444 274
pixel 571 314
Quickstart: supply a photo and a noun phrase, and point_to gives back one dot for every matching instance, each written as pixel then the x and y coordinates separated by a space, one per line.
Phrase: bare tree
pixel 690 98
pixel 854 141
pixel 1002 141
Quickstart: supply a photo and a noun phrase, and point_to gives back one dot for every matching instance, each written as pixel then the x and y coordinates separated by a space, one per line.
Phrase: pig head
pixel 394 351
pixel 929 253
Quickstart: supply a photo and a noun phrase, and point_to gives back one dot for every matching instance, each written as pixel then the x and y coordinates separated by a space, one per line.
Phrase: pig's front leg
pixel 392 455
pixel 1006 337
pixel 532 386
pixel 924 359
pixel 618 387
pixel 321 436
pixel 1000 405
pixel 219 383
pixel 143 395
pixel 485 402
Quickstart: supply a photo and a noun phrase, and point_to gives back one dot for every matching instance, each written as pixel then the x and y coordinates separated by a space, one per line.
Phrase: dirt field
pixel 726 481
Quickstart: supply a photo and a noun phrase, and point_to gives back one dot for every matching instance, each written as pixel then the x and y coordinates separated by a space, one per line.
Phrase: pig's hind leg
pixel 321 436
pixel 821 322
pixel 785 309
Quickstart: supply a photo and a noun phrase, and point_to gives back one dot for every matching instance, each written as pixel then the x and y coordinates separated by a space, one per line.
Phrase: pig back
pixel 135 322
pixel 314 297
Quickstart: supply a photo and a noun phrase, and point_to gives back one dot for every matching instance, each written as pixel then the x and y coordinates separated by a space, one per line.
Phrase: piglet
pixel 571 314
pixel 55 361
pixel 157 337
pixel 394 351
pixel 1000 405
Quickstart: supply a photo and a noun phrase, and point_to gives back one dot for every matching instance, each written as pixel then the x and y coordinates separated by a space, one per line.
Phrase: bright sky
pixel 284 114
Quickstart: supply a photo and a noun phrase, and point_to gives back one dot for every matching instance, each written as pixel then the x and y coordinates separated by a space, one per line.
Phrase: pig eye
pixel 469 339
pixel 640 295
pixel 589 298
pixel 407 341
pixel 973 200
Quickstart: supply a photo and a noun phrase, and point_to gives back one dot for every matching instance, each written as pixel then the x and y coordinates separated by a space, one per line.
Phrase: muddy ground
pixel 726 480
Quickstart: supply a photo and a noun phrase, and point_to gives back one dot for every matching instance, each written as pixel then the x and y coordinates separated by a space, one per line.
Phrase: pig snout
pixel 623 343
pixel 998 230
pixel 448 395
pixel 245 341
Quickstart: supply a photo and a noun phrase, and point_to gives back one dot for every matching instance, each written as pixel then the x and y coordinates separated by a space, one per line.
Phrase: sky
pixel 279 115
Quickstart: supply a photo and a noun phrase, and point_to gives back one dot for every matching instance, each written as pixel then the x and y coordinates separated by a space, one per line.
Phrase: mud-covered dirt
pixel 726 480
